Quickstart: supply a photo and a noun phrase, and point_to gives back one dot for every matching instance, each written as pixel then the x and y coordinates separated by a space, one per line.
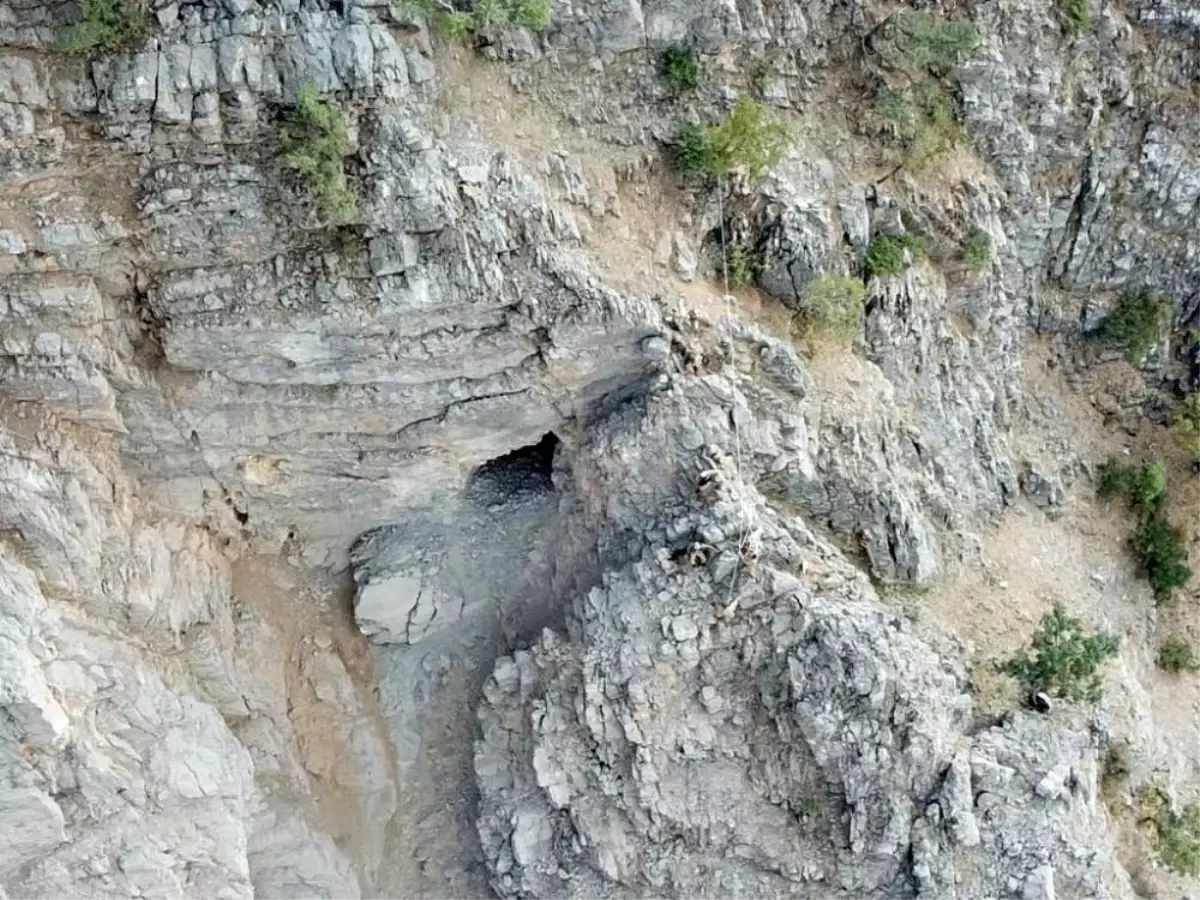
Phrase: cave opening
pixel 525 470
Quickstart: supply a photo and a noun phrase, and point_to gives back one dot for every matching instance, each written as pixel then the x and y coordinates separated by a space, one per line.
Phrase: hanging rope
pixel 743 525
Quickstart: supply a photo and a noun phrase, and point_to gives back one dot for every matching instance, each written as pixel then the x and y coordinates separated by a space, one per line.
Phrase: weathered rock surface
pixel 671 534
pixel 750 721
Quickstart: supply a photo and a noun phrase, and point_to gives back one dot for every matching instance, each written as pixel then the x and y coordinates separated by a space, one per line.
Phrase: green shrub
pixel 925 41
pixel 1145 486
pixel 1178 839
pixel 890 255
pixel 976 250
pixel 1076 15
pixel 532 14
pixel 834 305
pixel 924 122
pixel 1065 661
pixel 1136 324
pixel 1185 422
pixel 693 151
pixel 680 66
pixel 313 141
pixel 1161 555
pixel 1158 547
pixel 1178 655
pixel 106 26
pixel 486 17
pixel 744 265
pixel 748 139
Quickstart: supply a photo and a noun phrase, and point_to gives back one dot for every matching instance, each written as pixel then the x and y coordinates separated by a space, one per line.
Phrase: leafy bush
pixel 925 41
pixel 1178 655
pixel 747 140
pixel 1159 548
pixel 693 150
pixel 1161 555
pixel 1145 486
pixel 1065 661
pixel 976 250
pixel 107 26
pixel 1076 15
pixel 1137 323
pixel 1186 425
pixel 680 66
pixel 1178 839
pixel 313 142
pixel 744 265
pixel 834 305
pixel 924 121
pixel 891 254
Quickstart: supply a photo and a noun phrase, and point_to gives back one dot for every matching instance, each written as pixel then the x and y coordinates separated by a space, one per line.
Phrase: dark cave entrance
pixel 526 470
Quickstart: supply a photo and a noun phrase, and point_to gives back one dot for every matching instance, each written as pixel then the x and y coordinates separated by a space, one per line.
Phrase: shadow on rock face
pixel 526 470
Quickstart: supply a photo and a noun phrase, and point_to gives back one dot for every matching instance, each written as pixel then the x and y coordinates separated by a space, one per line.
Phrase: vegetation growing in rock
pixel 923 121
pixel 1076 15
pixel 1144 486
pixel 680 66
pixel 1178 655
pixel 926 41
pixel 1186 425
pixel 834 306
pixel 485 17
pixel 1065 660
pixel 976 250
pixel 106 26
pixel 1159 547
pixel 743 265
pixel 1136 324
pixel 692 149
pixel 890 254
pixel 313 142
pixel 749 140
pixel 1175 833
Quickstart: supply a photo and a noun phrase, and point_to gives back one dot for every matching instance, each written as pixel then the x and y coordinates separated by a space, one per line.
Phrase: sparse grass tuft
pixel 923 121
pixel 1176 834
pixel 976 250
pixel 313 142
pixel 1076 16
pixel 834 306
pixel 680 66
pixel 1136 324
pixel 890 255
pixel 1178 655
pixel 1065 661
pixel 486 18
pixel 106 26
pixel 1185 422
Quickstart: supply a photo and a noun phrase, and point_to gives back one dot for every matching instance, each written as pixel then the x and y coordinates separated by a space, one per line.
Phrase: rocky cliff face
pixel 486 542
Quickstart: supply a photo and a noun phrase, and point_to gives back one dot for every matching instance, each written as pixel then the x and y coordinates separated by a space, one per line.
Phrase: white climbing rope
pixel 743 527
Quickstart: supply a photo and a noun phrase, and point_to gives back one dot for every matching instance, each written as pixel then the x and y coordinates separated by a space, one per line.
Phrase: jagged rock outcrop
pixel 475 396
